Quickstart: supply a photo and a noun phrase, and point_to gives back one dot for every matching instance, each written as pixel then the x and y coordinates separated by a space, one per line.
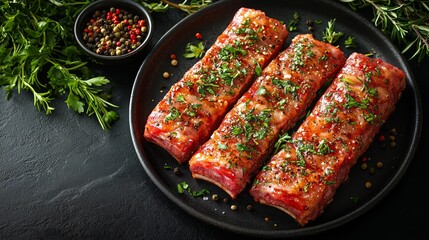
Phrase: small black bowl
pixel 133 8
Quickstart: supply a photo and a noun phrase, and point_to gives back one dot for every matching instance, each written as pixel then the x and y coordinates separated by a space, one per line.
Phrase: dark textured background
pixel 62 177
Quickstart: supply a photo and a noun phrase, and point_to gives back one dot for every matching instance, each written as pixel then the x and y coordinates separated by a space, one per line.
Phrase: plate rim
pixel 408 157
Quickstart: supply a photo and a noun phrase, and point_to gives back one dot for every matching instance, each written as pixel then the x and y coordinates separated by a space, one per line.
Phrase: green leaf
pixel 74 102
pixel 97 81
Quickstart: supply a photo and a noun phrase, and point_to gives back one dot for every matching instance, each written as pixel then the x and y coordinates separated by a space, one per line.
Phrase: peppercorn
pixel 233 207
pixel 215 197
pixel 379 164
pixel 166 75
pixel 249 207
pixel 174 62
pixel 364 166
pixel 368 184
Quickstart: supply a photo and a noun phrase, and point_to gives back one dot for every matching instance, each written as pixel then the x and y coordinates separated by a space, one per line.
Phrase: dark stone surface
pixel 62 177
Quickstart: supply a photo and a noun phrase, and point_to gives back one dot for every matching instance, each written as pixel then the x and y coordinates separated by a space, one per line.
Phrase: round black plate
pixel 352 198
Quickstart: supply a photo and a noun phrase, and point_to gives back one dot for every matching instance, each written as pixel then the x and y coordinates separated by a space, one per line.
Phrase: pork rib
pixel 274 103
pixel 303 177
pixel 194 106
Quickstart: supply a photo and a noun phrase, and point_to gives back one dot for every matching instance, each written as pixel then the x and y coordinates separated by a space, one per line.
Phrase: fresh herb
pixel 288 86
pixel 281 142
pixel 349 42
pixel 222 146
pixel 163 5
pixel 172 115
pixel 168 167
pixel 242 147
pixel 184 186
pixel 354 199
pixel 352 102
pixel 329 35
pixel 194 51
pixel 293 23
pixel 36 41
pixel 405 22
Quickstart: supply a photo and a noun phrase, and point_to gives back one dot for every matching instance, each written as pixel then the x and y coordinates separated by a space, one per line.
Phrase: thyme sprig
pixel 406 22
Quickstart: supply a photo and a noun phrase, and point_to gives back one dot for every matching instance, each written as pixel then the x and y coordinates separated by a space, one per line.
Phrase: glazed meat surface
pixel 194 106
pixel 274 103
pixel 303 177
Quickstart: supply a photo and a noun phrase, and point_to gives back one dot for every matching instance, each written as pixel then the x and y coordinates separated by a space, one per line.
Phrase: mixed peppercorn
pixel 114 32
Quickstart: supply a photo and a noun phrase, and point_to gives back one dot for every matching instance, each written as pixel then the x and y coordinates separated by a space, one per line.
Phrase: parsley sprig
pixel 405 22
pixel 38 55
pixel 194 51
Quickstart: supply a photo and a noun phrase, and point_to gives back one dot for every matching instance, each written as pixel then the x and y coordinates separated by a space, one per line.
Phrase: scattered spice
pixel 368 184
pixel 215 197
pixel 379 164
pixel 177 171
pixel 198 35
pixel 166 75
pixel 249 207
pixel 174 62
pixel 234 207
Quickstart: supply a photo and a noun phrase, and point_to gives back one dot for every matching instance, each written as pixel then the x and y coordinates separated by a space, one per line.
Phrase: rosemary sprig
pixel 163 5
pixel 406 22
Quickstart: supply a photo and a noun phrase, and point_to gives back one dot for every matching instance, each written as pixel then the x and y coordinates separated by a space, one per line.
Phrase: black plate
pixel 352 199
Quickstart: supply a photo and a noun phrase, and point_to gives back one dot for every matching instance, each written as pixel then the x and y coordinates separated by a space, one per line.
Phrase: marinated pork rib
pixel 303 177
pixel 193 108
pixel 274 103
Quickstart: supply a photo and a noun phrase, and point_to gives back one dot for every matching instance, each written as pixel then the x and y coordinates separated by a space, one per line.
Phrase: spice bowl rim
pixel 129 5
